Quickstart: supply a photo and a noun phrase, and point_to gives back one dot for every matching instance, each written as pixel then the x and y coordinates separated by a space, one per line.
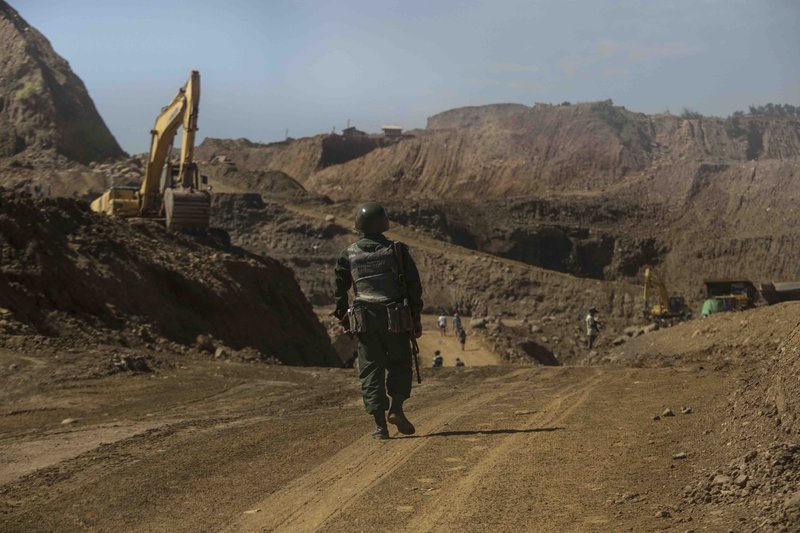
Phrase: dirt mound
pixel 224 176
pixel 762 433
pixel 292 157
pixel 722 339
pixel 758 429
pixel 296 158
pixel 44 106
pixel 70 273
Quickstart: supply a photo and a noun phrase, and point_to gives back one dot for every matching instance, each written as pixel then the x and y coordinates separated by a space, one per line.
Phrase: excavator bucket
pixel 187 208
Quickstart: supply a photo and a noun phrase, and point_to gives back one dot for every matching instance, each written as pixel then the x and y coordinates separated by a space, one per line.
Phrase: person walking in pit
pixel 593 327
pixel 462 337
pixel 376 267
pixel 442 321
pixel 457 323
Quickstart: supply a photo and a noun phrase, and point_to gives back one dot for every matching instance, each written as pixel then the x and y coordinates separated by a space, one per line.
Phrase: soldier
pixel 370 266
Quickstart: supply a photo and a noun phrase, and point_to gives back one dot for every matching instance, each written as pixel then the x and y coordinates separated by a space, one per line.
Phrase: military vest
pixel 375 274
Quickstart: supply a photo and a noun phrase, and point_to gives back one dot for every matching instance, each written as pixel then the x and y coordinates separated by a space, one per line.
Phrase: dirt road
pixel 475 352
pixel 235 447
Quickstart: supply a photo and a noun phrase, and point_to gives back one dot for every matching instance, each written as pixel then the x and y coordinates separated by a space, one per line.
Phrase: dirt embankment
pixel 68 272
pixel 758 428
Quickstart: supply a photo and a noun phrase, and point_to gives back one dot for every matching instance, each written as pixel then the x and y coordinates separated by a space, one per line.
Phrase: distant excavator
pixel 665 308
pixel 170 189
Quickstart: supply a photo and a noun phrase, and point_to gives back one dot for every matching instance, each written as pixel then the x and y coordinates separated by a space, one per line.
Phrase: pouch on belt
pixel 401 319
pixel 358 319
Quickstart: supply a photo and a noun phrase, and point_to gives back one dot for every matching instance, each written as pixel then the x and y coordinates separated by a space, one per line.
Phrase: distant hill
pixel 592 189
pixel 44 106
pixel 510 150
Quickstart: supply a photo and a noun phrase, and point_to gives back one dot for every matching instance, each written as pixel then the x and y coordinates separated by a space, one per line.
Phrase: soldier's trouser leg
pixel 398 382
pixel 378 352
pixel 372 371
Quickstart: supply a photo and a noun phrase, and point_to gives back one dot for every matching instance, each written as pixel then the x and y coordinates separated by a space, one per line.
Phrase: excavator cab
pixel 677 304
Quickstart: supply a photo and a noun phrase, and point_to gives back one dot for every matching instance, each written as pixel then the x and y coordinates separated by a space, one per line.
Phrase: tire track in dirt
pixel 309 501
pixel 318 497
pixel 454 502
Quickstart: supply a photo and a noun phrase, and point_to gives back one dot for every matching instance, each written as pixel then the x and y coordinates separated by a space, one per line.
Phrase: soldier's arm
pixel 341 284
pixel 413 283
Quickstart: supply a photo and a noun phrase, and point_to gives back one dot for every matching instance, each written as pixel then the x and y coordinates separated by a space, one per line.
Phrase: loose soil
pixel 210 445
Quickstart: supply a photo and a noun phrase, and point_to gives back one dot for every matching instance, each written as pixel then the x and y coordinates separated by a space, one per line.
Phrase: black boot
pixel 398 418
pixel 381 430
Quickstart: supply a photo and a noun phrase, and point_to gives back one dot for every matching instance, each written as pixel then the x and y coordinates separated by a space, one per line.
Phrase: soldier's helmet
pixel 371 217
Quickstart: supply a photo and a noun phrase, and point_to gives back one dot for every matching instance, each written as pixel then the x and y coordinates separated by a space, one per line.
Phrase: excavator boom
pixel 160 193
pixel 664 307
pixel 652 280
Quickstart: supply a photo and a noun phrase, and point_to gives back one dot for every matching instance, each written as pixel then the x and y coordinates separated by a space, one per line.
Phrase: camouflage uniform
pixel 385 364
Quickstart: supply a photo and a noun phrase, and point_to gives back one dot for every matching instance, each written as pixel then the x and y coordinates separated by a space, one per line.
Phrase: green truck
pixel 728 295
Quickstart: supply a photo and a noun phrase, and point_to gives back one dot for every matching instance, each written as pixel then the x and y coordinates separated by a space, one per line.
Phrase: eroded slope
pixel 70 272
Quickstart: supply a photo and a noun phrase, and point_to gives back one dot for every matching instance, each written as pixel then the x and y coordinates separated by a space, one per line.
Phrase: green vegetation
pixel 620 119
pixel 737 124
pixel 691 113
pixel 10 143
pixel 29 89
pixel 773 110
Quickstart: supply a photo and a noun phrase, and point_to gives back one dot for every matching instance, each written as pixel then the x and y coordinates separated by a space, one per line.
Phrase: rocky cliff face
pixel 44 106
pixel 510 150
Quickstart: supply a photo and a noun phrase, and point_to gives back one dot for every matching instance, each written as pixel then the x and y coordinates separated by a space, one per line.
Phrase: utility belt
pixel 400 317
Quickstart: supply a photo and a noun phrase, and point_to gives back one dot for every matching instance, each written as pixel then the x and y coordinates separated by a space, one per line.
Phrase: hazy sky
pixel 310 66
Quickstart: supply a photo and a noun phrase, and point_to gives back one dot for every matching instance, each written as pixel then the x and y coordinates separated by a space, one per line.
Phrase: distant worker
pixel 593 327
pixel 462 337
pixel 438 360
pixel 459 362
pixel 442 325
pixel 374 266
pixel 456 323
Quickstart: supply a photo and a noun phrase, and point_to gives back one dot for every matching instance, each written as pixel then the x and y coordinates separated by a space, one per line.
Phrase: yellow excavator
pixel 170 189
pixel 664 308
